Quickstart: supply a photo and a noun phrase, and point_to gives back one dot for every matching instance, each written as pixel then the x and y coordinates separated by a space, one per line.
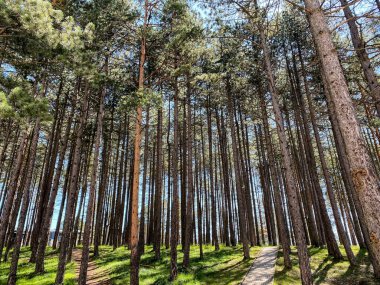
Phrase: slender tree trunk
pixel 361 52
pixel 134 238
pixel 239 189
pixel 284 235
pixel 71 191
pixel 330 191
pixel 212 186
pixel 11 189
pixel 90 203
pixel 25 204
pixel 158 192
pixel 143 194
pixel 291 186
pixel 46 223
pixel 175 205
pixel 190 186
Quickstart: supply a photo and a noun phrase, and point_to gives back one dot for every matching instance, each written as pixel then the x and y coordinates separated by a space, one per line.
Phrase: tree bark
pixel 134 238
pixel 365 179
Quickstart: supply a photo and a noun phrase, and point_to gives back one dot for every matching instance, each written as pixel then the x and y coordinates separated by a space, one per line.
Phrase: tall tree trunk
pixel 46 223
pixel 190 186
pixel 330 191
pixel 365 179
pixel 239 189
pixel 175 205
pixel 212 186
pixel 134 237
pixel 361 52
pixel 158 191
pixel 90 203
pixel 71 191
pixel 25 204
pixel 283 233
pixel 11 189
pixel 291 187
pixel 143 194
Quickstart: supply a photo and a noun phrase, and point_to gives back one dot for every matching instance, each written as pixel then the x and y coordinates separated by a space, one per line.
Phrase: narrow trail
pixel 263 268
pixel 95 275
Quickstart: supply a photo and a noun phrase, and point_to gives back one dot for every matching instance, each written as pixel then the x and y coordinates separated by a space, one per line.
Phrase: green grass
pixel 223 267
pixel 26 275
pixel 326 270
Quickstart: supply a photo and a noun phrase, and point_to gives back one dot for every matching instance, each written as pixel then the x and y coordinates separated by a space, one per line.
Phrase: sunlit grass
pixel 25 272
pixel 326 270
pixel 223 267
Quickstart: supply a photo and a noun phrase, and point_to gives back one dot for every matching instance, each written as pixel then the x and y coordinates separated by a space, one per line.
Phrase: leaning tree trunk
pixel 25 204
pixel 11 189
pixel 365 179
pixel 46 223
pixel 330 191
pixel 291 186
pixel 361 52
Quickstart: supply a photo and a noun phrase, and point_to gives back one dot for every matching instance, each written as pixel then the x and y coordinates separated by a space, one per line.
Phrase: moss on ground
pixel 326 270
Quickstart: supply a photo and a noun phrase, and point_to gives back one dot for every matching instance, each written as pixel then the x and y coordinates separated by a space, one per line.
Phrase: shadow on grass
pixel 327 270
pixel 216 267
pixel 320 273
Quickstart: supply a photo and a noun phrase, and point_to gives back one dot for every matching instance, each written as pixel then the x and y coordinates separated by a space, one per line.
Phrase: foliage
pixel 39 18
pixel 21 104
pixel 145 97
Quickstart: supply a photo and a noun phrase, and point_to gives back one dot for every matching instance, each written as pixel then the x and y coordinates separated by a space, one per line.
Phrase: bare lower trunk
pixel 134 234
pixel 291 187
pixel 71 192
pixel 175 206
pixel 94 174
pixel 25 204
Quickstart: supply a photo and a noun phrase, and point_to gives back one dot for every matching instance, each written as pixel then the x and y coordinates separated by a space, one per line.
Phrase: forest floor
pixel 112 267
pixel 326 270
pixel 95 274
pixel 25 272
pixel 224 267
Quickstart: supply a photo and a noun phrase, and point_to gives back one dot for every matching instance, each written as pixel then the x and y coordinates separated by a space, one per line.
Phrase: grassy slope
pixel 223 267
pixel 328 271
pixel 26 274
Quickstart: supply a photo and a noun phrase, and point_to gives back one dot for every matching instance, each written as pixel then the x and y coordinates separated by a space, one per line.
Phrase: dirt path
pixel 263 268
pixel 95 275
